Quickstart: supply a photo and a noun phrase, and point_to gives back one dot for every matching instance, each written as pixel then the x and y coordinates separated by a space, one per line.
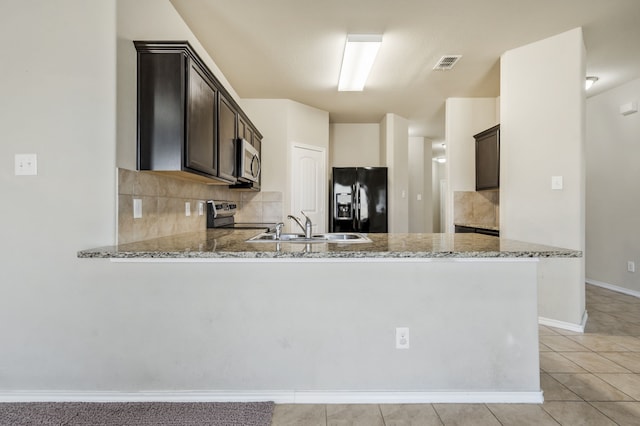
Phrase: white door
pixel 309 185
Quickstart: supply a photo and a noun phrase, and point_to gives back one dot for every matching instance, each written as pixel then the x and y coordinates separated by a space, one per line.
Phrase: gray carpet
pixel 136 413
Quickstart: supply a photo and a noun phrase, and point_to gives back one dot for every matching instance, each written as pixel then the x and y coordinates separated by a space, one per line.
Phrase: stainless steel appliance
pixel 359 199
pixel 220 214
pixel 248 161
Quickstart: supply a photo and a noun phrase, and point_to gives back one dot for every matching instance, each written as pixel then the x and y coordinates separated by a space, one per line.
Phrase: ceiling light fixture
pixel 359 53
pixel 589 82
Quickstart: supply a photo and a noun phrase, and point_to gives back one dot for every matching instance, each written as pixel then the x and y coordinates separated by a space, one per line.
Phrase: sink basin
pixel 331 237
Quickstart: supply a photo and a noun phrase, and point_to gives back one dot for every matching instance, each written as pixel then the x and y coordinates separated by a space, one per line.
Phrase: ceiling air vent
pixel 447 62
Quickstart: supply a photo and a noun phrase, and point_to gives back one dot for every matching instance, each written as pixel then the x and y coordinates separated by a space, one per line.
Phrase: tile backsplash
pixel 163 205
pixel 260 207
pixel 477 207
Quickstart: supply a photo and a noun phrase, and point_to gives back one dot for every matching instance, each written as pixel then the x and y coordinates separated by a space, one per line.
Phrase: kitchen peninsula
pixel 317 323
pixel 232 244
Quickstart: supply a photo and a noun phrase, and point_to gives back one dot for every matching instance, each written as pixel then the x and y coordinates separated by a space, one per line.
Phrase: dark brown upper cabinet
pixel 227 137
pixel 201 153
pixel 488 159
pixel 187 121
pixel 244 129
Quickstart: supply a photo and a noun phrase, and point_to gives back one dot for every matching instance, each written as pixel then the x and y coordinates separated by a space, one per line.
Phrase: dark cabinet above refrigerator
pixel 359 199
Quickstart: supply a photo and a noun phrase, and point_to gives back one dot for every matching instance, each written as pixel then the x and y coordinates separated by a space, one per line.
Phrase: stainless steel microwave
pixel 248 162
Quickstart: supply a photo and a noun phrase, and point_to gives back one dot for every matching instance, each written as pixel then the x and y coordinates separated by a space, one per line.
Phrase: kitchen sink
pixel 331 237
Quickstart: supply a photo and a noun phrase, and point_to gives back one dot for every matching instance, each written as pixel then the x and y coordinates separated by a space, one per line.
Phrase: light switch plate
pixel 26 165
pixel 556 182
pixel 187 209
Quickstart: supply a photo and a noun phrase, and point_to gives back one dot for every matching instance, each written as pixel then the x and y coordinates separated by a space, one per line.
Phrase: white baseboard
pixel 417 397
pixel 578 328
pixel 279 397
pixel 614 288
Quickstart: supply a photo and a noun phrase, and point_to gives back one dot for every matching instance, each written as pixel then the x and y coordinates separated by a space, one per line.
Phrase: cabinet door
pixel 226 140
pixel 244 130
pixel 242 127
pixel 201 129
pixel 488 159
pixel 161 102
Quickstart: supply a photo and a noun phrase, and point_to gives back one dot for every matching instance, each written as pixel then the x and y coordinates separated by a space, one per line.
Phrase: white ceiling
pixel 293 48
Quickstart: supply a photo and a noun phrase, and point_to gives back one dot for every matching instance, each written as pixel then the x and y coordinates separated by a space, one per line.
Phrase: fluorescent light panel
pixel 359 54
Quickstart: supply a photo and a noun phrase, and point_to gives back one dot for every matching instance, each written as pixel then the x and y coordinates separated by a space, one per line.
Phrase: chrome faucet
pixel 279 227
pixel 307 227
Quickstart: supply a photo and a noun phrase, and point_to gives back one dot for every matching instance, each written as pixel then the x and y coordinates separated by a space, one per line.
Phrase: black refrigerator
pixel 359 199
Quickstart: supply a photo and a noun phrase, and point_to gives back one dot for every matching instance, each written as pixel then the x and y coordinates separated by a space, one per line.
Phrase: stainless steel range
pixel 220 214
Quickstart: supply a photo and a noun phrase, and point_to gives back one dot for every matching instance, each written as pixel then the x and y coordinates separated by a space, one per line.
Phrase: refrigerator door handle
pixel 356 205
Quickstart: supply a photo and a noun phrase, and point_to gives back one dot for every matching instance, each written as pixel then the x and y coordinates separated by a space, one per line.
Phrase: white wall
pixel 612 198
pixel 542 135
pixel 420 187
pixel 464 117
pixel 308 125
pixel 394 149
pixel 78 324
pixel 271 117
pixel 57 100
pixel 146 20
pixel 282 123
pixel 439 172
pixel 354 144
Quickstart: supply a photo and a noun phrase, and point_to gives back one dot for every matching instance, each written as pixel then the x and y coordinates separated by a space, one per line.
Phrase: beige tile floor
pixel 587 379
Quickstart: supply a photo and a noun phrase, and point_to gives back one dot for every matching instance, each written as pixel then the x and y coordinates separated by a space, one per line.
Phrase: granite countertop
pixel 478 225
pixel 230 244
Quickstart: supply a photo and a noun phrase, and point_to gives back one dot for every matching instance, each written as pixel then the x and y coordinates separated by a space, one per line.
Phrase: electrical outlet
pixel 402 338
pixel 137 208
pixel 556 182
pixel 200 208
pixel 26 164
pixel 187 209
pixel 631 266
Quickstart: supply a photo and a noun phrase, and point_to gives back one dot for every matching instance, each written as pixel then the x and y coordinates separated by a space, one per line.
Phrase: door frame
pixel 443 205
pixel 322 225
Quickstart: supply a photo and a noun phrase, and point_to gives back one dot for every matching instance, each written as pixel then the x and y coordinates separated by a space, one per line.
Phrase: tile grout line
pixel 326 416
pixel 437 414
pixel 551 415
pixel 384 422
pixel 493 414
